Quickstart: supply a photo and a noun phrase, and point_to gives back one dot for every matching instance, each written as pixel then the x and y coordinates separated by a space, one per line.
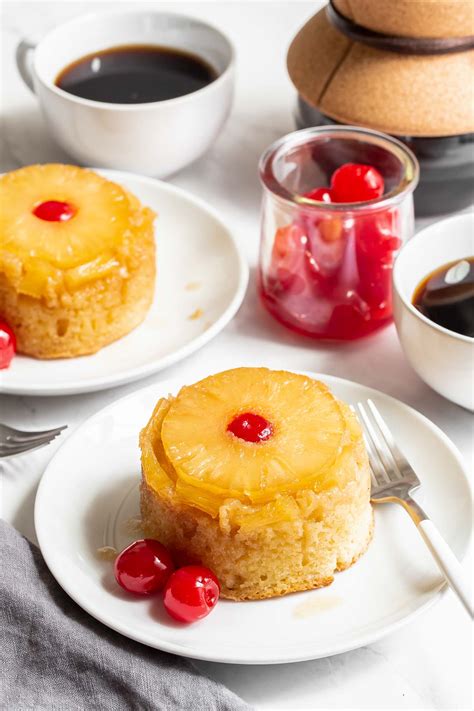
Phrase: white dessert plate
pixel 88 498
pixel 201 281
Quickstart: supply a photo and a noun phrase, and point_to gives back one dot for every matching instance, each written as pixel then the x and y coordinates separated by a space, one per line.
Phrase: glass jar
pixel 446 165
pixel 326 269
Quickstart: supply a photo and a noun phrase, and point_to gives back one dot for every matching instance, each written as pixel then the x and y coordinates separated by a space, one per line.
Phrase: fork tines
pixel 14 441
pixel 387 462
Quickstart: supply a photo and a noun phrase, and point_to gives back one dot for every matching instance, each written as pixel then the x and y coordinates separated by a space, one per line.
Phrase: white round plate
pixel 89 495
pixel 201 281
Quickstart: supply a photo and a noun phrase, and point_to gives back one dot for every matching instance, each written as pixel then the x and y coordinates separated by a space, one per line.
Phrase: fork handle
pixel 447 563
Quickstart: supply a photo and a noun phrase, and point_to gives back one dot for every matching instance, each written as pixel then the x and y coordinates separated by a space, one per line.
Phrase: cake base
pixel 269 561
pixel 83 321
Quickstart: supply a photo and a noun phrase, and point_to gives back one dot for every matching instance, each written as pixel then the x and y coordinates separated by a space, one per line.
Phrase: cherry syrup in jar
pixel 326 262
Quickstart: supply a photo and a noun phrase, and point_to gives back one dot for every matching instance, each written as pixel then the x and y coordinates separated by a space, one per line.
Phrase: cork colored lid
pixel 401 94
pixel 412 18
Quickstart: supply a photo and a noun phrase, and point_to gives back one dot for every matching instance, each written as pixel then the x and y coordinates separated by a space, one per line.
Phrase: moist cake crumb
pixel 107 553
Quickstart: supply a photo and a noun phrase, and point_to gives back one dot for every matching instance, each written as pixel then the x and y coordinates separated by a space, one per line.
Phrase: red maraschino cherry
pixel 355 182
pixel 7 345
pixel 191 593
pixel 143 567
pixel 250 427
pixel 54 211
pixel 320 194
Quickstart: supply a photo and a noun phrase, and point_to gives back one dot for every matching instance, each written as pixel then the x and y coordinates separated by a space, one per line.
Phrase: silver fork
pixel 14 441
pixel 394 480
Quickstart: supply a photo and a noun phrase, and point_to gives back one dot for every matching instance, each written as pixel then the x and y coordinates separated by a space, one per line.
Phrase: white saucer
pixel 201 282
pixel 90 491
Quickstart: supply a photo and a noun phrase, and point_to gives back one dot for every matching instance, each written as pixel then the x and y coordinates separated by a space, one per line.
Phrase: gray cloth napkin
pixel 55 656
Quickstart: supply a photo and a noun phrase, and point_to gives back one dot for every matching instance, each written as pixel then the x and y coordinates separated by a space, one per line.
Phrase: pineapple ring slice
pixel 94 242
pixel 157 476
pixel 159 473
pixel 103 210
pixel 309 431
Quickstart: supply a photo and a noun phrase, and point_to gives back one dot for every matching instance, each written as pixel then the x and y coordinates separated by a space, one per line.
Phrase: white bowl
pixel 156 138
pixel 442 358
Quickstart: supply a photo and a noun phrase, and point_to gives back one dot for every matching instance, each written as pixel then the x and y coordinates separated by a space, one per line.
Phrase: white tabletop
pixel 427 664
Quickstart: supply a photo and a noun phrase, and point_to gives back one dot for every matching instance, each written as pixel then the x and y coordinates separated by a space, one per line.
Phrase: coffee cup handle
pixel 24 53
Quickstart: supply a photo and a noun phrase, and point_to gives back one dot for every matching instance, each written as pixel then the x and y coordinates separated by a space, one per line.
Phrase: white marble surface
pixel 426 665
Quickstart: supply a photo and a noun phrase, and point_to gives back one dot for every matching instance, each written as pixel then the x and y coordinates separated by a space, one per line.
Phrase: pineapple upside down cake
pixel 77 260
pixel 260 475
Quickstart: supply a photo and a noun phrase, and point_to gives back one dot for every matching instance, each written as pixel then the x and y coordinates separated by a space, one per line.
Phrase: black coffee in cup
pixel 136 74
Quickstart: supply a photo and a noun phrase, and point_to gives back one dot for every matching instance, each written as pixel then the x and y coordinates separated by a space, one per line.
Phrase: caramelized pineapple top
pixel 61 226
pixel 193 447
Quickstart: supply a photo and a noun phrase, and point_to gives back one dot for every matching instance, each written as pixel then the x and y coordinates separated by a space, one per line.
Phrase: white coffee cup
pixel 444 359
pixel 156 138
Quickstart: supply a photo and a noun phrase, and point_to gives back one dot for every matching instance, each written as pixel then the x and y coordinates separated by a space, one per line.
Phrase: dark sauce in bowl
pixel 136 74
pixel 446 296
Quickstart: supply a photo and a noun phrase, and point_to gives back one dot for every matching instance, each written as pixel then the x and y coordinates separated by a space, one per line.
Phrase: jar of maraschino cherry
pixel 337 205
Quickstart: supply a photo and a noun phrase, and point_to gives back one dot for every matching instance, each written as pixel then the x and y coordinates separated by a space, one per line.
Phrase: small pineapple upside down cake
pixel 77 260
pixel 260 475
